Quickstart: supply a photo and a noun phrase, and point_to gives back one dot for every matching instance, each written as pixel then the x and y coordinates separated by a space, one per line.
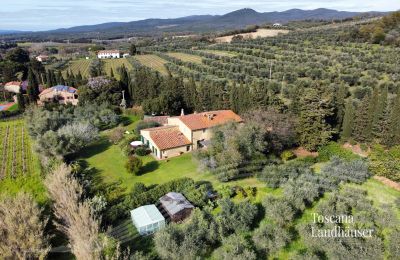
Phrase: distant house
pixel 147 219
pixel 176 206
pixel 126 55
pixel 16 86
pixel 60 94
pixel 184 133
pixel 109 54
pixel 42 58
pixel 277 25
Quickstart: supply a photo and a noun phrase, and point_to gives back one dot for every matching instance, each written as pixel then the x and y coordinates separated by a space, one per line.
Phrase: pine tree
pixel 314 130
pixel 33 87
pixel 348 120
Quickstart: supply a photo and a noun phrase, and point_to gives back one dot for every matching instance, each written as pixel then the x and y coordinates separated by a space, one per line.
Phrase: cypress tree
pixel 373 105
pixel 379 122
pixel 348 120
pixel 111 73
pixel 361 120
pixel 21 101
pixel 394 122
pixel 341 95
pixel 33 86
pixel 314 130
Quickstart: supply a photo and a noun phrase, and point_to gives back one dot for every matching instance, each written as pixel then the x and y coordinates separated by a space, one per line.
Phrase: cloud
pixel 51 14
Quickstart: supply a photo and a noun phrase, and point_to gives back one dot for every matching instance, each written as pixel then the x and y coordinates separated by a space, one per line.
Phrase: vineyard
pixel 115 64
pixel 185 57
pixel 154 62
pixel 15 149
pixel 77 66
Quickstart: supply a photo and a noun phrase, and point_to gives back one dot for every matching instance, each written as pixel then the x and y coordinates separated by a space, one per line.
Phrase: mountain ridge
pixel 199 23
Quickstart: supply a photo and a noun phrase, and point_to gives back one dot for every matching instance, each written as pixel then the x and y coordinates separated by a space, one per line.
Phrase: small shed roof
pixel 146 215
pixel 174 202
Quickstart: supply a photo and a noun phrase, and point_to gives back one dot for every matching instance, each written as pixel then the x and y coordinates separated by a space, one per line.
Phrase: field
pixel 260 33
pixel 19 167
pixel 185 57
pixel 77 66
pixel 115 64
pixel 153 61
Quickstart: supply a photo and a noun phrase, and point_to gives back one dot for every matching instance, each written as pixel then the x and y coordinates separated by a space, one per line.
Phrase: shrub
pixel 235 218
pixel 279 210
pixel 133 165
pixel 117 135
pixel 276 175
pixel 270 238
pixel 236 247
pixel 287 155
pixel 141 151
pixel 347 171
pixel 334 149
pixel 385 163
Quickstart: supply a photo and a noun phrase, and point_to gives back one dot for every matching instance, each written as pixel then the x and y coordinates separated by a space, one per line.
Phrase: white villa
pixel 109 54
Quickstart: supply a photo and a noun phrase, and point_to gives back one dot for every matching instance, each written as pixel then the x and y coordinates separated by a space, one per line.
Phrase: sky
pixel 36 15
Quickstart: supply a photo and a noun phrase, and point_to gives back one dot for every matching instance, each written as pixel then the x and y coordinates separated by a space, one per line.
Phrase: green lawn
pixel 13 108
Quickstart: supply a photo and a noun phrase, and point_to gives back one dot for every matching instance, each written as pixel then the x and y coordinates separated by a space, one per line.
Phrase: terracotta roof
pixel 167 137
pixel 13 83
pixel 209 119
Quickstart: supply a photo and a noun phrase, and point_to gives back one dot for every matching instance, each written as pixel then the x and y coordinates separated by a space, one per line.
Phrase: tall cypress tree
pixel 340 97
pixel 379 122
pixel 373 105
pixel 314 130
pixel 21 101
pixel 348 120
pixel 361 121
pixel 394 122
pixel 33 87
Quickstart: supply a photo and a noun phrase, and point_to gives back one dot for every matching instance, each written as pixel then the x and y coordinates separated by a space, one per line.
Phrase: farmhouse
pixel 61 94
pixel 147 219
pixel 42 58
pixel 176 206
pixel 109 54
pixel 16 86
pixel 184 133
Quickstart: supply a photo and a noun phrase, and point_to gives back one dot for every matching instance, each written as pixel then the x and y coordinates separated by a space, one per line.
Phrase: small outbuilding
pixel 147 219
pixel 176 206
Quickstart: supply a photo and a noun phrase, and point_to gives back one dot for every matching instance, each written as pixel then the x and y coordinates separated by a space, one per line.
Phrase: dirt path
pixel 387 182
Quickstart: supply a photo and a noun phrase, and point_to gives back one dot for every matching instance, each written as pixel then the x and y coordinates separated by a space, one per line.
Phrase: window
pixel 188 148
pixel 204 130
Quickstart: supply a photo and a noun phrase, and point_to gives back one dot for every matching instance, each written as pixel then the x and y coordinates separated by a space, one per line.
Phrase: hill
pixel 200 23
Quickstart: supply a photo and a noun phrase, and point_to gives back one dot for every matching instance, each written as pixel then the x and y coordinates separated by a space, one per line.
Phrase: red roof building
pixel 185 133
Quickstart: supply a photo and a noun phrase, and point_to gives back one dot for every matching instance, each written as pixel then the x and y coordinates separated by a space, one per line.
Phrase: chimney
pixel 182 112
